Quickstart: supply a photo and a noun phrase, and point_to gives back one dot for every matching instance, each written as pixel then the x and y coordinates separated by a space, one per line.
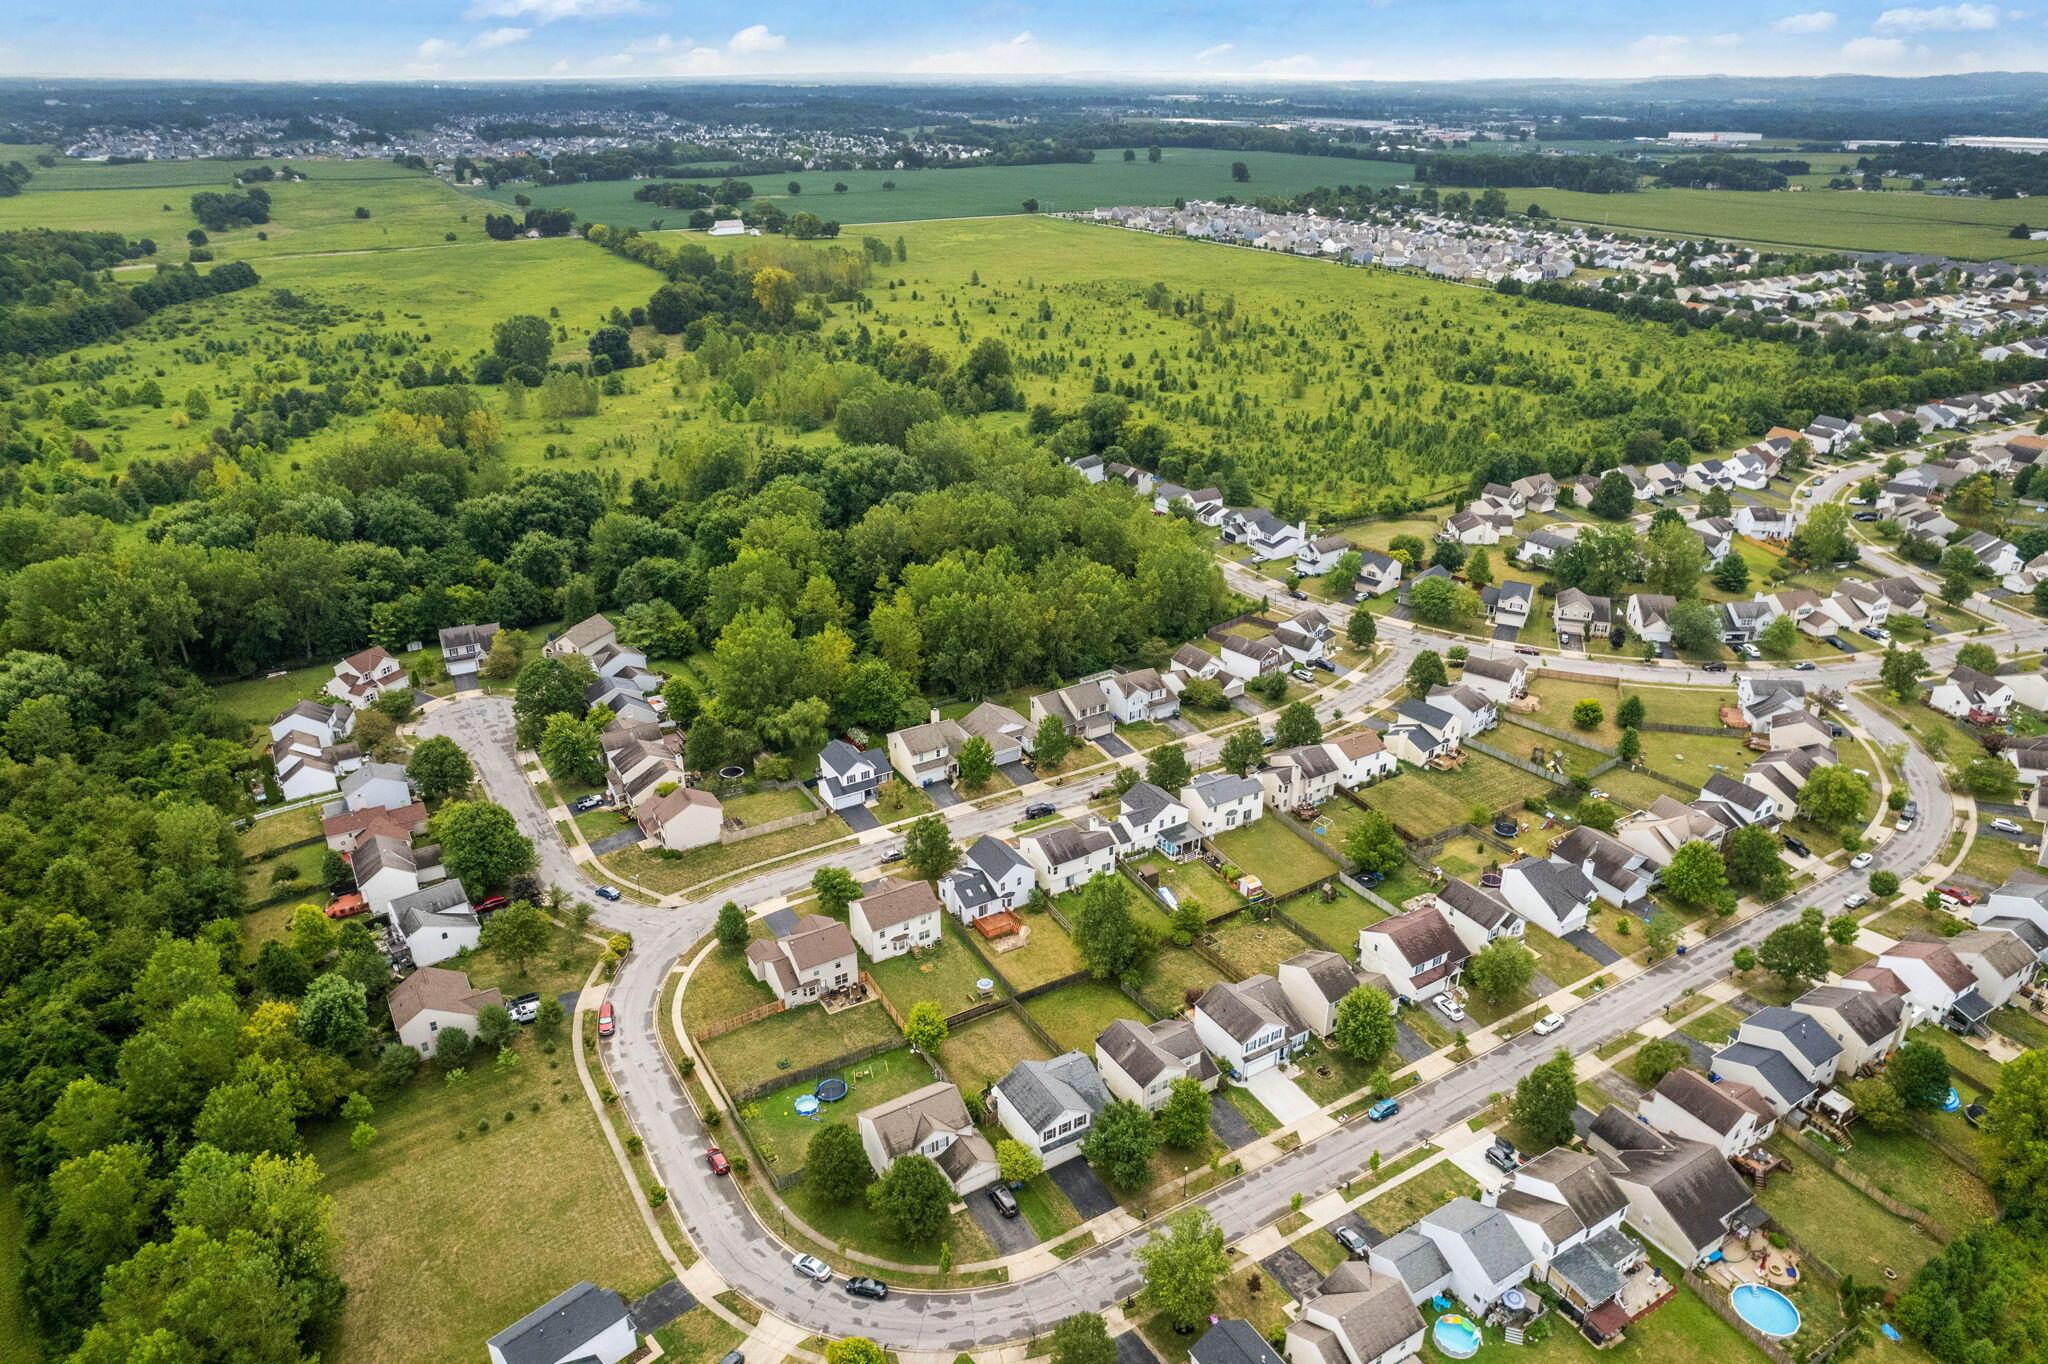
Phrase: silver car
pixel 811 1267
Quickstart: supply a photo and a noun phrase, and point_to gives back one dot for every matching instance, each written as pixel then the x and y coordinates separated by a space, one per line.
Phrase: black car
pixel 1005 1201
pixel 867 1288
pixel 1717 666
pixel 1039 811
pixel 1864 516
pixel 1297 594
pixel 1794 845
pixel 1501 1155
pixel 1353 1240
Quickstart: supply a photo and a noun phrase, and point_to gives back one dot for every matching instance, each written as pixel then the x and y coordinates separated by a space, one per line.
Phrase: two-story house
pixel 991 876
pixel 1296 777
pixel 892 920
pixel 1140 1062
pixel 818 955
pixel 361 678
pixel 1726 1114
pixel 1499 680
pixel 1248 1025
pixel 1083 708
pixel 1068 857
pixel 1866 1025
pixel 1782 1054
pixel 463 648
pixel 932 1122
pixel 1140 696
pixel 927 754
pixel 1419 953
pixel 1421 733
pixel 1649 616
pixel 1048 1106
pixel 1966 692
pixel 1218 802
pixel 849 776
pixel 1362 758
pixel 1581 619
pixel 1555 896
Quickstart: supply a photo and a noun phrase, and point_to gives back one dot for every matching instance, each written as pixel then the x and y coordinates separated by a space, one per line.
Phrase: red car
pixel 715 1158
pixel 604 1020
pixel 1959 895
pixel 494 902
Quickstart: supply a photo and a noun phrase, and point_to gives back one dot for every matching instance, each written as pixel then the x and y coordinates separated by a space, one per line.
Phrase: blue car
pixel 607 892
pixel 1384 1109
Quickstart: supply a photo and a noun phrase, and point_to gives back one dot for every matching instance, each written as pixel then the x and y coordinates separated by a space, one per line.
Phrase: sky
pixel 1289 39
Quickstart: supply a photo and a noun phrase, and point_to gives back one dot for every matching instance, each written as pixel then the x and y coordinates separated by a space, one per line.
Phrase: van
pixel 1951 903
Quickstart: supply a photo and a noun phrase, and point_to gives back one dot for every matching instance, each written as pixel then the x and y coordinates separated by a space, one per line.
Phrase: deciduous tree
pixel 836 1164
pixel 1120 1143
pixel 1363 1028
pixel 1184 1117
pixel 1183 1264
pixel 439 769
pixel 1546 1098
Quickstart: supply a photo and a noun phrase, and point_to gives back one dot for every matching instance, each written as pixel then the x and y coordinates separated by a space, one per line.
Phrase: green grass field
pixel 1075 1015
pixel 1338 921
pixel 1250 947
pixel 794 1039
pixel 944 973
pixel 1181 173
pixel 783 1135
pixel 1269 850
pixel 1425 803
pixel 489 1196
pixel 1047 954
pixel 983 1051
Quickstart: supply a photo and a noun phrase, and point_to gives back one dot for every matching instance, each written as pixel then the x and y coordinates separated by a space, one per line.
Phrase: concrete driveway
pixel 624 838
pixel 1281 1096
pixel 1507 634
pixel 1017 772
pixel 1587 941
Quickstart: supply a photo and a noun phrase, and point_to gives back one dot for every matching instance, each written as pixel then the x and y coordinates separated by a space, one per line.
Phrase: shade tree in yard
pixel 1502 969
pixel 1120 1144
pixel 1183 1266
pixel 1373 845
pixel 1183 1121
pixel 1363 1028
pixel 1297 726
pixel 914 1195
pixel 439 769
pixel 1546 1098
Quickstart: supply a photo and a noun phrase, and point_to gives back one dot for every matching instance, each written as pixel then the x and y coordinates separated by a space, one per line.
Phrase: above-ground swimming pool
pixel 1768 1310
pixel 1455 1336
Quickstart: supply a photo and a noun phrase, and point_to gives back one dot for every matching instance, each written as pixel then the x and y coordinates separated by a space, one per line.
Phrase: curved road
pixel 756 1264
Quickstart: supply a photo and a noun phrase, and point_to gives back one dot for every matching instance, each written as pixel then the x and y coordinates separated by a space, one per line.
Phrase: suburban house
pixel 816 956
pixel 1666 826
pixel 1499 680
pixel 1218 802
pixel 1473 709
pixel 386 868
pixel 1966 692
pixel 588 637
pixel 1828 434
pixel 1617 871
pixel 1149 819
pixel 1362 758
pixel 309 749
pixel 1048 1105
pixel 436 922
pixel 1761 522
pixel 463 648
pixel 685 818
pixel 1083 709
pixel 1568 1211
pixel 1140 1062
pixel 1248 1025
pixel 1866 1025
pixel 313 726
pixel 990 877
pixel 1421 734
pixel 1905 595
pixel 1538 492
pixel 1936 986
pixel 2023 899
pixel 1315 983
pixel 1264 534
pixel 1062 859
pixel 1295 777
pixel 345 830
pixel 849 776
pixel 1486 1255
pixel 1580 618
pixel 1555 896
pixel 1190 664
pixel 1737 803
pixel 1727 1115
pixel 1305 637
pixel 1998 958
pixel 889 922
pixel 1357 1315
pixel 1683 1196
pixel 431 999
pixel 1649 616
pixel 1418 952
pixel 1507 604
pixel 1717 536
pixel 586 1323
pixel 1540 547
pixel 361 678
pixel 929 753
pixel 1782 1054
pixel 1470 528
pixel 1140 696
pixel 1762 699
pixel 1743 621
pixel 1321 554
pixel 1232 1340
pixel 1477 915
pixel 639 760
pixel 1995 556
pixel 1246 659
pixel 1379 574
pixel 1005 731
pixel 932 1122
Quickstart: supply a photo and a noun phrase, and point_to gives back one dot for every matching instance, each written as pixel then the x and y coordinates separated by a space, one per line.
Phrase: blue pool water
pixel 1456 1336
pixel 1768 1310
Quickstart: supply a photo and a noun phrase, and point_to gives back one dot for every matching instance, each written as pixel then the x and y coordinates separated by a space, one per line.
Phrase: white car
pixel 1749 651
pixel 1449 1008
pixel 2007 826
pixel 1548 1024
pixel 1860 861
pixel 1856 901
pixel 811 1267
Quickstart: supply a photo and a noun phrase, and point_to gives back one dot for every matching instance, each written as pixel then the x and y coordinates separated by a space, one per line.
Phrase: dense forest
pixel 56 294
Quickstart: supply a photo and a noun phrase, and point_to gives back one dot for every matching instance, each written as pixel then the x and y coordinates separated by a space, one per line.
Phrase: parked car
pixel 715 1158
pixel 1842 645
pixel 1860 861
pixel 1749 651
pixel 1005 1201
pixel 1526 649
pixel 1804 666
pixel 1957 893
pixel 893 855
pixel 491 902
pixel 1869 632
pixel 605 1025
pixel 524 1009
pixel 1715 666
pixel 1794 845
pixel 2007 826
pixel 589 802
pixel 1548 1024
pixel 1864 516
pixel 1297 594
pixel 1501 1156
pixel 811 1267
pixel 1856 901
pixel 1039 810
pixel 1303 675
pixel 1325 664
pixel 1906 819
pixel 1449 1008
pixel 1353 1240
pixel 733 1357
pixel 864 1287
pixel 1384 1109
pixel 607 892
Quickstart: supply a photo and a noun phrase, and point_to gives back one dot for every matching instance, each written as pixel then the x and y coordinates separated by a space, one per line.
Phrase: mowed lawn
pixel 515 1214
pixel 1075 1015
pixel 1251 947
pixel 1424 803
pixel 1838 1223
pixel 944 973
pixel 1193 883
pixel 783 1135
pixel 794 1039
pixel 1269 850
pixel 1335 921
pixel 1048 954
pixel 983 1051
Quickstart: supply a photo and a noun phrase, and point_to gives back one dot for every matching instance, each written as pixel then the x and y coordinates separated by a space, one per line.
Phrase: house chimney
pixel 935 715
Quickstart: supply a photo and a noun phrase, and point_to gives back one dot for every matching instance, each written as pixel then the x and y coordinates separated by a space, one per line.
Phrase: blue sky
pixel 1304 39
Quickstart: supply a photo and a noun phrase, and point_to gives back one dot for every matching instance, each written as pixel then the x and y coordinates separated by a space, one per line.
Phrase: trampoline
pixel 830 1091
pixel 807 1105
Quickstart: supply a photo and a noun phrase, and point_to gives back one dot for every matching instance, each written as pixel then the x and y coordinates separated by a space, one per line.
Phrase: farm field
pixel 1969 229
pixel 486 1189
pixel 1181 173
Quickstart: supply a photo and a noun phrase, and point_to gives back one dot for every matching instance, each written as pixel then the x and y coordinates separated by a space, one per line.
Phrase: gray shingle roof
pixel 1492 1239
pixel 1811 1040
pixel 550 1331
pixel 1779 1075
pixel 1042 1090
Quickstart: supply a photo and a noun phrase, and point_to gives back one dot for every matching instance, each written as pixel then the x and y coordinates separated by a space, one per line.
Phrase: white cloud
pixel 1023 39
pixel 491 39
pixel 1210 54
pixel 548 11
pixel 1724 40
pixel 1659 44
pixel 1294 64
pixel 1874 50
pixel 756 38
pixel 1811 21
pixel 652 47
pixel 434 50
pixel 1939 19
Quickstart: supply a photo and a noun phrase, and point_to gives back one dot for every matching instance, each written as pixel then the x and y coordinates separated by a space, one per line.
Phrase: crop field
pixel 1181 173
pixel 1969 229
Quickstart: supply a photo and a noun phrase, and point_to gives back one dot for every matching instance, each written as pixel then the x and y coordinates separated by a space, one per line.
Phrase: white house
pixel 431 999
pixel 1965 691
pixel 436 922
pixel 1295 777
pixel 932 1122
pixel 1783 1054
pixel 463 648
pixel 849 776
pixel 313 726
pixel 989 877
pixel 1362 758
pixel 386 868
pixel 1500 680
pixel 1148 819
pixel 1999 959
pixel 1320 555
pixel 1473 709
pixel 1477 915
pixel 929 753
pixel 1358 1315
pixel 1421 733
pixel 361 678
pixel 1620 874
pixel 1378 574
pixel 1418 952
pixel 1649 616
pixel 1931 978
pixel 589 637
pixel 1996 556
pixel 1246 659
pixel 1140 1062
pixel 1007 733
pixel 682 819
pixel 1217 802
pixel 585 1323
pixel 890 922
pixel 1866 1025
pixel 1265 535
pixel 1763 522
pixel 1487 1256
pixel 1083 709
pixel 1315 983
pixel 1555 896
pixel 1065 858
pixel 1683 1196
pixel 1248 1025
pixel 1048 1105
pixel 1725 1114
pixel 1140 696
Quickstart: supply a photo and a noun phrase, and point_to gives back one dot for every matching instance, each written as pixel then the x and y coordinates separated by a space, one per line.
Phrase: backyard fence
pixel 1512 761
pixel 1703 731
pixel 1580 740
pixel 813 1073
pixel 1820 1155
pixel 773 826
pixel 737 1021
pixel 1716 1297
pixel 270 854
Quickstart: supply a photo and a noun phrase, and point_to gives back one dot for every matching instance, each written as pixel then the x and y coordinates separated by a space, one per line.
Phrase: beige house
pixel 1140 1063
pixel 816 956
pixel 1727 1115
pixel 891 921
pixel 432 999
pixel 932 1122
pixel 587 637
pixel 685 818
pixel 1315 983
pixel 924 755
